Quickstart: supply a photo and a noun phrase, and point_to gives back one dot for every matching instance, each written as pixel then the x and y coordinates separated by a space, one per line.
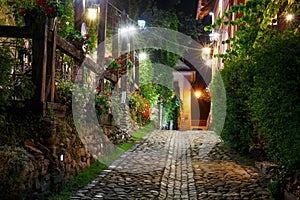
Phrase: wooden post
pixel 44 66
pixel 123 50
pixel 39 62
pixel 78 14
pixel 101 41
pixel 53 60
pixel 131 52
pixel 78 20
pixel 136 66
pixel 115 42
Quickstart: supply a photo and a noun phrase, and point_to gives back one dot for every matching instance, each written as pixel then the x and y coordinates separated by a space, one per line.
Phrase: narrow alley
pixel 178 165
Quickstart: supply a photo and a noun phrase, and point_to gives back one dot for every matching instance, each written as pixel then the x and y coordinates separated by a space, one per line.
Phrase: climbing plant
pixel 261 79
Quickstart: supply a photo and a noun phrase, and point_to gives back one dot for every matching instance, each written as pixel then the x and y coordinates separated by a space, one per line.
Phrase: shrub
pixel 237 130
pixel 139 108
pixel 13 170
pixel 275 98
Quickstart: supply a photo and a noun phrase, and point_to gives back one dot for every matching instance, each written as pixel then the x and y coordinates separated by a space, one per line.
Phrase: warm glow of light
pixel 289 17
pixel 209 62
pixel 127 30
pixel 92 13
pixel 197 94
pixel 142 56
pixel 206 50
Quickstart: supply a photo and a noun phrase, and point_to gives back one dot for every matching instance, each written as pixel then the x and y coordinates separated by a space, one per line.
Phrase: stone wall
pixel 42 165
pixel 55 154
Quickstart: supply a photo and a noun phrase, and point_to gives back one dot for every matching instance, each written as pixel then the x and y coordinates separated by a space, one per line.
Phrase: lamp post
pixel 141 23
pixel 101 40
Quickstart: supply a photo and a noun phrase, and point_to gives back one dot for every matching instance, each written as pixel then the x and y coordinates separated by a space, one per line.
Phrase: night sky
pixel 187 6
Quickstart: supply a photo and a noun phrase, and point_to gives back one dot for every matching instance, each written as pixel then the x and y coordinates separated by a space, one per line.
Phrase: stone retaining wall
pixel 42 166
pixel 55 154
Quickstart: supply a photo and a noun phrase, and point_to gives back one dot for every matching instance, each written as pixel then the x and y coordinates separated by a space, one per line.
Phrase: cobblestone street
pixel 178 165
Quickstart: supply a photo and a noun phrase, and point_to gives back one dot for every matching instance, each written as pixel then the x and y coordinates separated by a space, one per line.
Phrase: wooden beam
pixel 110 76
pixel 67 47
pixel 91 65
pixel 16 32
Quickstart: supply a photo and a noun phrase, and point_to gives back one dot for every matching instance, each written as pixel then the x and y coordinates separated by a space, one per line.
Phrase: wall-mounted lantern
pixel 197 94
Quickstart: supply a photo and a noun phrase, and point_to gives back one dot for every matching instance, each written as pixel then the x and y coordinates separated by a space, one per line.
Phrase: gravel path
pixel 178 165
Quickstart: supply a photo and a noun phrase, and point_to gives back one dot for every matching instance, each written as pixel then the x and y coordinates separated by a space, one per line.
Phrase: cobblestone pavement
pixel 178 165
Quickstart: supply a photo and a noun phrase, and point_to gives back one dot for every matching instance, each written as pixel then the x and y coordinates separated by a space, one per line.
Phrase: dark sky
pixel 187 6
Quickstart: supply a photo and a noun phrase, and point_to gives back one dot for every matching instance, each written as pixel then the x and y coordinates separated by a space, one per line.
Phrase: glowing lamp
pixel 198 94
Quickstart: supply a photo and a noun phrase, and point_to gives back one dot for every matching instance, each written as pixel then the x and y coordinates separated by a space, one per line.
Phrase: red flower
pixel 23 12
pixel 122 69
pixel 136 64
pixel 129 57
pixel 41 3
pixel 87 36
pixel 11 3
pixel 112 70
pixel 120 62
pixel 49 10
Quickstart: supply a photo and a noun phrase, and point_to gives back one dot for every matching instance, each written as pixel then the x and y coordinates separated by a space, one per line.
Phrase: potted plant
pixel 118 64
pixel 102 102
pixel 30 10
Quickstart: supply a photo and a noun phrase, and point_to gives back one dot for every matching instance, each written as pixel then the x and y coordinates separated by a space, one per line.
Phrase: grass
pixel 141 133
pixel 82 179
pixel 125 146
pixel 87 175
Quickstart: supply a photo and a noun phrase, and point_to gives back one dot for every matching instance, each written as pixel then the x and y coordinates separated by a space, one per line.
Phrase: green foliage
pixel 188 25
pixel 64 92
pixel 219 103
pixel 140 108
pixel 19 88
pixel 102 102
pixel 237 128
pixel 143 132
pixel 82 179
pixel 6 63
pixel 275 98
pixel 13 171
pixel 173 111
pixel 34 9
pixel 262 79
pixel 274 189
pixel 125 146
